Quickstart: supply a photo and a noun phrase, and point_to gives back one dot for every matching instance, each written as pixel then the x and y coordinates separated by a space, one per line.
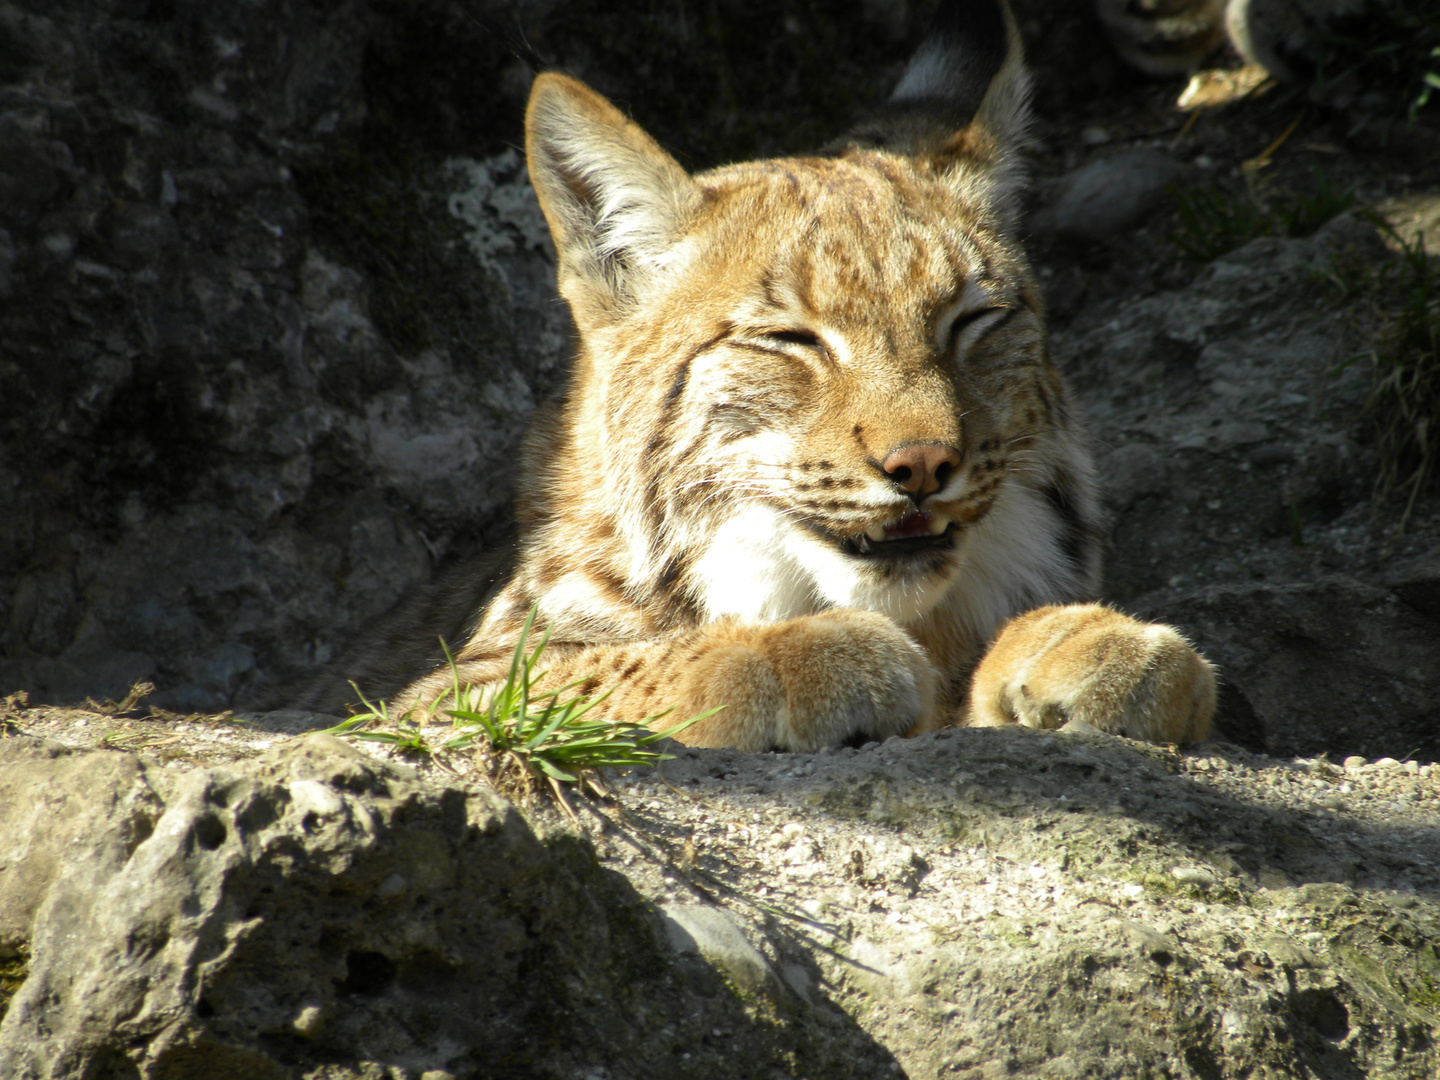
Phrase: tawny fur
pixel 1294 40
pixel 814 453
pixel 1163 37
pixel 1088 663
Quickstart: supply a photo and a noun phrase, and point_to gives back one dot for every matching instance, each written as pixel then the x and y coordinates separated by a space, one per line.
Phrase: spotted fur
pixel 814 453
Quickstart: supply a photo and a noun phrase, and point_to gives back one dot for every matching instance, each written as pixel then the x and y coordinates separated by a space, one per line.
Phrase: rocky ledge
pixel 239 900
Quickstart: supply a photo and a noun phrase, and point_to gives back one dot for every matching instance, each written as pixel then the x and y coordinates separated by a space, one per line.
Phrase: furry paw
pixel 1086 662
pixel 821 680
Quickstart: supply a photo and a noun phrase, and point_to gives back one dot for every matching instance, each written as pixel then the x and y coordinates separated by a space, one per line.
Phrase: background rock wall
pixel 254 379
pixel 276 304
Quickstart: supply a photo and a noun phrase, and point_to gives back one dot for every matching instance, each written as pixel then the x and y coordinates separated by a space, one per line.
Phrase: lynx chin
pixel 814 462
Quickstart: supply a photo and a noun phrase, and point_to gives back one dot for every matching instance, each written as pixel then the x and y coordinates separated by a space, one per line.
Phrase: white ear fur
pixel 615 201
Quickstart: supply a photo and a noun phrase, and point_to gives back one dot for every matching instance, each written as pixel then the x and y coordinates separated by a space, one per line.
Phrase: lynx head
pixel 806 382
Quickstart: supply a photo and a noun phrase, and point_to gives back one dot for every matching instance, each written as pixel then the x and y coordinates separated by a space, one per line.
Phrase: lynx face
pixel 837 402
pixel 814 453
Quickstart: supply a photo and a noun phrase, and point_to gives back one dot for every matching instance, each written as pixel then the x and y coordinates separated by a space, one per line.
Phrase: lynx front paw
pixel 1086 662
pixel 812 682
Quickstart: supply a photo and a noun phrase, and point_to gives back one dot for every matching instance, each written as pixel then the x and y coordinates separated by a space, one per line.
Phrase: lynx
pixel 1293 40
pixel 814 454
pixel 1163 37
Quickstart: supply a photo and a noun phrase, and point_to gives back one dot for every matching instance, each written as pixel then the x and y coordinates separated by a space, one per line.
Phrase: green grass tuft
pixel 1214 222
pixel 1384 55
pixel 1403 407
pixel 524 739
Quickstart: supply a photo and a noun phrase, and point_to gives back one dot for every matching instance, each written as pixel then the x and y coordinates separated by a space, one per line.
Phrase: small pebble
pixel 1193 875
pixel 309 1022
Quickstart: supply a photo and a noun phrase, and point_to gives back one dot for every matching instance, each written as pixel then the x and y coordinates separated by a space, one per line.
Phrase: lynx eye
pixel 803 338
pixel 968 326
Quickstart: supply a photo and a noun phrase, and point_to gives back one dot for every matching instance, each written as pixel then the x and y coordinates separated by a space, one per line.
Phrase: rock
pixel 1283 644
pixel 1105 198
pixel 1241 497
pixel 1417 582
pixel 234 381
pixel 1029 897
pixel 1192 875
pixel 714 934
pixel 315 907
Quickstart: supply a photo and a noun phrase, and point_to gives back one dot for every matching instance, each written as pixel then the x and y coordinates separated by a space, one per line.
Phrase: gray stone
pixel 317 909
pixel 1083 900
pixel 1242 501
pixel 715 935
pixel 1102 199
pixel 1417 582
pixel 1283 645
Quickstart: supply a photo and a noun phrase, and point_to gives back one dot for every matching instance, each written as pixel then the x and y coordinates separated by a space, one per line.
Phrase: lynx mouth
pixel 911 534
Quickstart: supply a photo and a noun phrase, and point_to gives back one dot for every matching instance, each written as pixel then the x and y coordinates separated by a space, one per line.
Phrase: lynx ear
pixel 962 101
pixel 616 202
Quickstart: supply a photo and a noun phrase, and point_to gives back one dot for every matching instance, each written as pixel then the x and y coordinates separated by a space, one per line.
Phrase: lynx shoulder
pixel 814 454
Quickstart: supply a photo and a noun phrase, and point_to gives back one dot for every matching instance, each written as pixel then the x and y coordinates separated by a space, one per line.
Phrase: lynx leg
pixel 803 684
pixel 1086 662
pixel 841 675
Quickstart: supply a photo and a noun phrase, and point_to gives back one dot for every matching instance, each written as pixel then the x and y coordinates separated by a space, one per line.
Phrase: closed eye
pixel 968 327
pixel 803 338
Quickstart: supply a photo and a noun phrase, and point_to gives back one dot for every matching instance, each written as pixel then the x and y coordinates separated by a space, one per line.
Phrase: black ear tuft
pixel 962 102
pixel 957 60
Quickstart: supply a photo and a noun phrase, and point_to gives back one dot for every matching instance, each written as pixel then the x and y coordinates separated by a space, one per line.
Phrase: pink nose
pixel 921 469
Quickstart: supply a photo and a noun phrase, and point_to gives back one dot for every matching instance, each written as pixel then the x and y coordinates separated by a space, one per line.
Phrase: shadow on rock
pixel 317 910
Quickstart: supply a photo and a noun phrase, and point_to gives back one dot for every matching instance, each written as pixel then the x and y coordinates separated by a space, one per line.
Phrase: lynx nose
pixel 921 469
